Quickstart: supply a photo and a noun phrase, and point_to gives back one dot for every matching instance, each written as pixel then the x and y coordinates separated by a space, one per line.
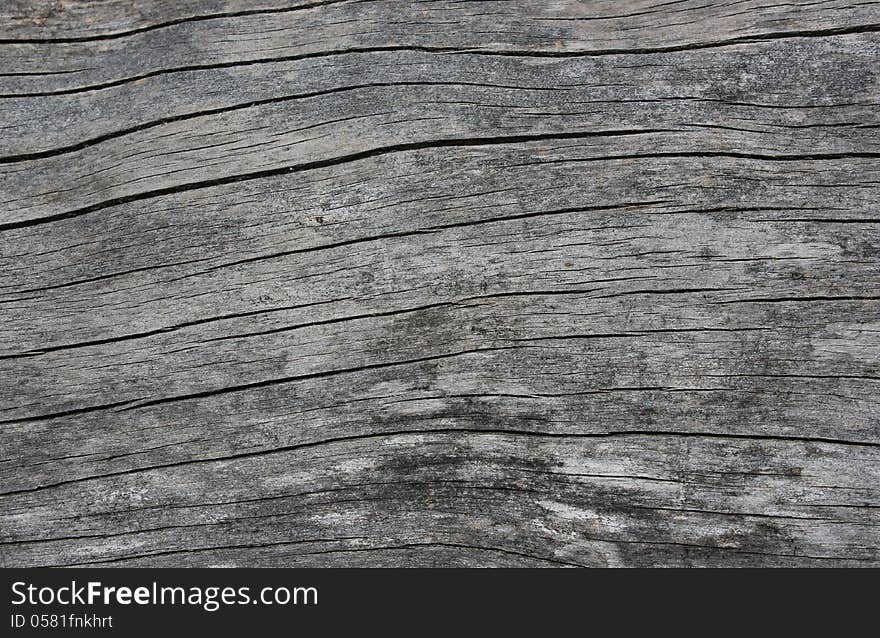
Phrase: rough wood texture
pixel 439 283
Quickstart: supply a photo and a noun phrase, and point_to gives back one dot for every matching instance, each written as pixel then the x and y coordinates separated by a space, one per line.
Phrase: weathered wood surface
pixel 439 283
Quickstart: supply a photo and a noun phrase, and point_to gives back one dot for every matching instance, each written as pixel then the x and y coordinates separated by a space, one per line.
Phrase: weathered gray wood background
pixel 439 283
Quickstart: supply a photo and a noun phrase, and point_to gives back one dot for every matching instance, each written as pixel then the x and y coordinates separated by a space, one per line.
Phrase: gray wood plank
pixel 507 284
